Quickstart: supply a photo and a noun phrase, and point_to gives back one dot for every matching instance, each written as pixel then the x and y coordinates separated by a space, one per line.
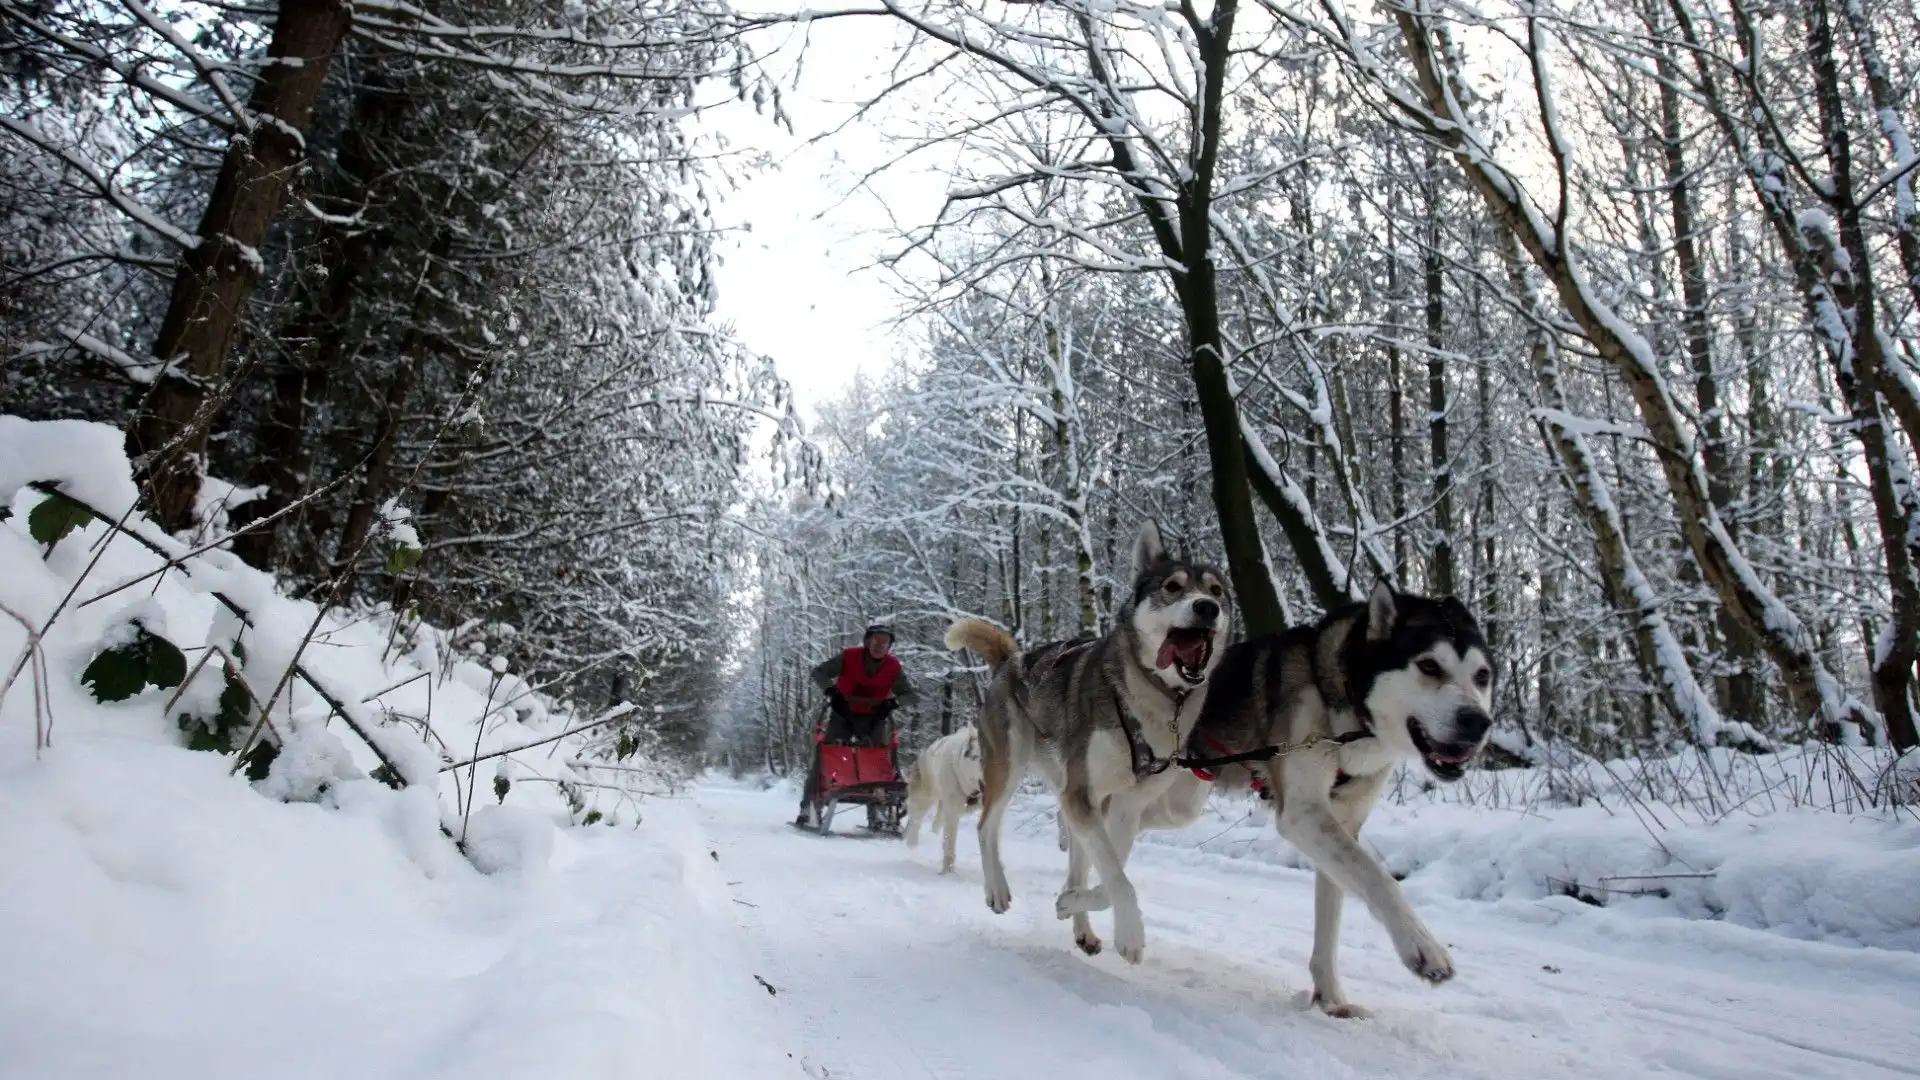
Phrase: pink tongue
pixel 1168 654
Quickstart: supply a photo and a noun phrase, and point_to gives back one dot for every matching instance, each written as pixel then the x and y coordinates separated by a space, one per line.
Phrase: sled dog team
pixel 1129 729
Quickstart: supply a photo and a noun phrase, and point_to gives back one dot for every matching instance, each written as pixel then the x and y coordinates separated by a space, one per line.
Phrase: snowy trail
pixel 886 969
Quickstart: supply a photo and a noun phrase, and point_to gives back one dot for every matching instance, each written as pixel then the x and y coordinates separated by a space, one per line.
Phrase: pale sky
pixel 798 286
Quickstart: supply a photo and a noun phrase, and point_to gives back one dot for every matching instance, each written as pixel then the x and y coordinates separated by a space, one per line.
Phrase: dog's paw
pixel 1088 941
pixel 999 900
pixel 1129 937
pixel 945 869
pixel 1073 902
pixel 1341 1009
pixel 1426 957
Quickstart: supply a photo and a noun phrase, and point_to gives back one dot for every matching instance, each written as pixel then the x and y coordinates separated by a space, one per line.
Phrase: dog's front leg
pixel 1351 803
pixel 949 825
pixel 1308 822
pixel 1072 899
pixel 1090 833
pixel 1328 994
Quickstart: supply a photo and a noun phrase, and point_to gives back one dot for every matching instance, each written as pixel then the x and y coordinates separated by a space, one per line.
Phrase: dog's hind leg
pixel 1090 833
pixel 1001 764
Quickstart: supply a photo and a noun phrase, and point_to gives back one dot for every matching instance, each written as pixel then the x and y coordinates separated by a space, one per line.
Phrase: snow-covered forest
pixel 372 440
pixel 1601 318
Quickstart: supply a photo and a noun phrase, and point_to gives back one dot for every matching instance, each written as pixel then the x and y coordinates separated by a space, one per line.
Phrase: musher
pixel 864 685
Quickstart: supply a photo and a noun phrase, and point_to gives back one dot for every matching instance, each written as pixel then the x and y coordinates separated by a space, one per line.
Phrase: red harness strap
pixel 1218 747
pixel 1259 782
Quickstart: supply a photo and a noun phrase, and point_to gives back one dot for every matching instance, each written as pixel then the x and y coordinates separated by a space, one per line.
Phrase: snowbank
pixel 367 694
pixel 1805 874
pixel 160 918
pixel 352 905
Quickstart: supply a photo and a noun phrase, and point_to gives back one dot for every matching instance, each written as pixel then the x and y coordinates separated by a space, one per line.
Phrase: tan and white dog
pixel 945 781
pixel 1099 720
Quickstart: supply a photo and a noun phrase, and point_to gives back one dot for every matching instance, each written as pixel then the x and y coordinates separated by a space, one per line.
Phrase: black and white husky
pixel 1099 721
pixel 1397 678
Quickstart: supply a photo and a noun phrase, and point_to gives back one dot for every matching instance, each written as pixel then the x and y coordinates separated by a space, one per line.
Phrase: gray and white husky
pixel 1099 720
pixel 1400 677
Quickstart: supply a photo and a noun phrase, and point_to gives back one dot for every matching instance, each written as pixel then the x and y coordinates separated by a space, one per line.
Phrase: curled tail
pixel 992 643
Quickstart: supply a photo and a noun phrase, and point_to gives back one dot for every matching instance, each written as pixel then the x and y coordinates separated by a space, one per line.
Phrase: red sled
pixel 851 766
pixel 859 774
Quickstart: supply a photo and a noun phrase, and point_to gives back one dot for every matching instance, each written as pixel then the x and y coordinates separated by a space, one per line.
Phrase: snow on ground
pixel 162 919
pixel 887 969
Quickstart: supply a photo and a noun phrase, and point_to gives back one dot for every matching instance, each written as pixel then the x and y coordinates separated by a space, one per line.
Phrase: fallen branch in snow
pixel 1589 894
pixel 615 713
pixel 1660 877
pixel 175 562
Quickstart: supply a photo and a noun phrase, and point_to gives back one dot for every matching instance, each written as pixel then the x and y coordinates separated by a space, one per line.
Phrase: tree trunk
pixel 1184 234
pixel 210 287
pixel 1489 605
pixel 1895 502
pixel 373 481
pixel 1840 310
pixel 1656 649
pixel 1439 465
pixel 1396 413
pixel 1906 213
pixel 313 342
pixel 1742 697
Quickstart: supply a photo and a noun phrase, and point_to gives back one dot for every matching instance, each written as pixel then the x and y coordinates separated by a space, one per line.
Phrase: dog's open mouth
pixel 1187 649
pixel 1444 762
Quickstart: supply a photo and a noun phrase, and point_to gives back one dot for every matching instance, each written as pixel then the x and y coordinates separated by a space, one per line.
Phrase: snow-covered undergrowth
pixel 126 647
pixel 1781 843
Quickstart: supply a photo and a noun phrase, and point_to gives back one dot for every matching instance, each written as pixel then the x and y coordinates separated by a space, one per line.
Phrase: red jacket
pixel 855 683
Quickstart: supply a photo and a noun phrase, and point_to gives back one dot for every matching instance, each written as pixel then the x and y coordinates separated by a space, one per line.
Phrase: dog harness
pixel 1145 762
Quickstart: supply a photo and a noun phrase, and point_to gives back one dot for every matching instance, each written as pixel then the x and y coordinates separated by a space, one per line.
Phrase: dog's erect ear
pixel 1380 611
pixel 1457 613
pixel 1147 548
